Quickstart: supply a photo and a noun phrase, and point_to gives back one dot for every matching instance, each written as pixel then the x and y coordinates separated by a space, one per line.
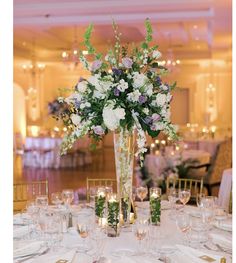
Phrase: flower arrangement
pixel 124 91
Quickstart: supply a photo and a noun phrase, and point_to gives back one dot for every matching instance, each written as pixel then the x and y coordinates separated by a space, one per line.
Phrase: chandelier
pixel 171 62
pixel 71 58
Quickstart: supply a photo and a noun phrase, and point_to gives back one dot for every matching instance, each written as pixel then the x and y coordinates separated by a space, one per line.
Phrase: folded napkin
pixel 222 240
pixel 56 256
pixel 136 259
pixel 20 231
pixel 224 224
pixel 23 248
pixel 197 256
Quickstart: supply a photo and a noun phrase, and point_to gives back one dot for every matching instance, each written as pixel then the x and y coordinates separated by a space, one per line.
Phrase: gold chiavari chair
pixel 195 186
pixel 98 182
pixel 22 192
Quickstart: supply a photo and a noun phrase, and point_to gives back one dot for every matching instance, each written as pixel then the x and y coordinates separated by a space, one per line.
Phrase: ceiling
pixel 193 29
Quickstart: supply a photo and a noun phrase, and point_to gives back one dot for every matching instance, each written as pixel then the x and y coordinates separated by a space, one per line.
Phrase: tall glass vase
pixel 124 156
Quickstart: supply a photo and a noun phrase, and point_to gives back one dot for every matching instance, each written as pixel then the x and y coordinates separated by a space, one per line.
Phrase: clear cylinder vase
pixel 124 157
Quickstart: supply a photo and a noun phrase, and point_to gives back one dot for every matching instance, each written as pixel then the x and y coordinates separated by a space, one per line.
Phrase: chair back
pixel 22 192
pixel 225 189
pixel 99 183
pixel 195 186
pixel 222 161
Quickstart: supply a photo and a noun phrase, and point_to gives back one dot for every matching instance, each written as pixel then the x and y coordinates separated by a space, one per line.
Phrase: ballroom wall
pixel 194 76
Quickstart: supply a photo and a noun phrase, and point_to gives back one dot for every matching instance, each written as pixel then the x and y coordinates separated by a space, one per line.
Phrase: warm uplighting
pixel 56 129
pixel 34 130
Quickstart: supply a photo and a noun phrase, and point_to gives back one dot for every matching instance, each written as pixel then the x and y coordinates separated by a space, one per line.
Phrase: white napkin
pixel 20 231
pixel 52 258
pixel 22 248
pixel 222 240
pixel 165 204
pixel 19 219
pixel 224 225
pixel 137 259
pixel 193 255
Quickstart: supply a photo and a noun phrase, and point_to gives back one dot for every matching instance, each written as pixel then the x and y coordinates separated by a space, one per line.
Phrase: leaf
pixel 148 30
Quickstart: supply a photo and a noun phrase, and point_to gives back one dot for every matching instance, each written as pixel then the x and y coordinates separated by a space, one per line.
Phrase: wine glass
pixel 140 229
pixel 33 210
pixel 172 197
pixel 184 196
pixel 199 198
pixel 41 201
pixel 142 192
pixel 67 197
pixel 83 230
pixel 183 224
pixel 56 199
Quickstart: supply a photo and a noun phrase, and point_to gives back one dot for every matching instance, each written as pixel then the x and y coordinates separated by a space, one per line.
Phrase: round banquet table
pixel 120 249
pixel 156 164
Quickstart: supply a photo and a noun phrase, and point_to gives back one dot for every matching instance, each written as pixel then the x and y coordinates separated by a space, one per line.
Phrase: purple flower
pixel 98 130
pixel 116 92
pixel 142 99
pixel 117 71
pixel 81 79
pixel 127 62
pixel 153 128
pixel 96 65
pixel 158 81
pixel 156 117
pixel 148 120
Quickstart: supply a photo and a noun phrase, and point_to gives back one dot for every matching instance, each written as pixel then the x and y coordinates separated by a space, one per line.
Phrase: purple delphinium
pixel 155 117
pixel 158 80
pixel 148 120
pixel 117 71
pixel 142 99
pixel 116 92
pixel 98 130
pixel 96 65
pixel 127 62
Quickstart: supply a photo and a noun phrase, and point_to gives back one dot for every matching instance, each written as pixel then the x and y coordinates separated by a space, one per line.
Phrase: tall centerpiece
pixel 124 95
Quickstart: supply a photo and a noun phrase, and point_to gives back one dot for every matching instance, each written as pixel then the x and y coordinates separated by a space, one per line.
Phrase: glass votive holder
pixel 113 216
pixel 155 205
pixel 100 203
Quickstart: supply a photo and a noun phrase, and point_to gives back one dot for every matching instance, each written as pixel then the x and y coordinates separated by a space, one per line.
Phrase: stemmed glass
pixel 33 211
pixel 172 197
pixel 184 196
pixel 99 237
pixel 67 197
pixel 92 194
pixel 41 201
pixel 183 224
pixel 199 199
pixel 56 199
pixel 142 192
pixel 83 230
pixel 140 229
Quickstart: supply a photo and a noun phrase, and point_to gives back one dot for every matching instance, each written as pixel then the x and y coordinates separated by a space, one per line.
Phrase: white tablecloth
pixel 168 237
pixel 44 152
pixel 225 189
pixel 156 164
pixel 209 145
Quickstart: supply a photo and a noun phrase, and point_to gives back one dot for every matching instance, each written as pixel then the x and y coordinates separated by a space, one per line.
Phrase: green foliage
pixel 100 206
pixel 113 215
pixel 155 210
pixel 87 37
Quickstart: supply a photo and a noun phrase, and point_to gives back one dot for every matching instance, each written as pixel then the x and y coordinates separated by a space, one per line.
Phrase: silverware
pixel 229 251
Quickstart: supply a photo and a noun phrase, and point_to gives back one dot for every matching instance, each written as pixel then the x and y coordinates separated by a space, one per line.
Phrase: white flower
pixel 148 89
pixel 111 116
pixel 164 87
pixel 139 80
pixel 159 126
pixel 146 111
pixel 76 119
pixel 82 86
pixel 168 97
pixel 165 113
pixel 134 96
pixel 160 99
pixel 94 80
pixel 85 105
pixel 156 54
pixel 122 86
pixel 73 97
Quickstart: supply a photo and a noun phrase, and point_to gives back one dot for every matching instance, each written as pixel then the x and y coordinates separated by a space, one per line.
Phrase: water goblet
pixel 184 196
pixel 140 229
pixel 83 230
pixel 183 224
pixel 41 201
pixel 172 197
pixel 56 199
pixel 142 192
pixel 67 197
pixel 199 199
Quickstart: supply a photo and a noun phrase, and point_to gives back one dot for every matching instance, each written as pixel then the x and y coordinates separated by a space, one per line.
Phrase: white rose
pixel 146 111
pixel 160 99
pixel 139 80
pixel 122 86
pixel 134 96
pixel 148 89
pixel 76 119
pixel 82 86
pixel 156 54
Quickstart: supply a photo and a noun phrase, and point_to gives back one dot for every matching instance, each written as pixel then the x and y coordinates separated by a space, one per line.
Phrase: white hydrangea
pixel 156 54
pixel 111 116
pixel 165 113
pixel 122 85
pixel 94 80
pixel 82 86
pixel 134 96
pixel 76 119
pixel 146 111
pixel 139 80
pixel 161 99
